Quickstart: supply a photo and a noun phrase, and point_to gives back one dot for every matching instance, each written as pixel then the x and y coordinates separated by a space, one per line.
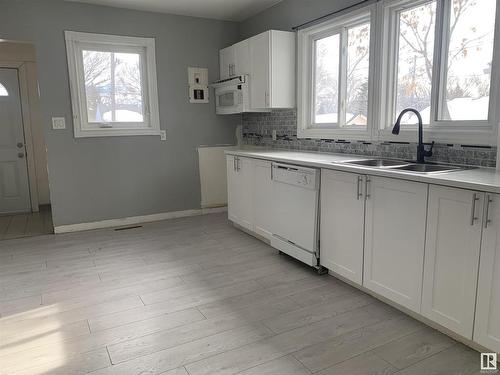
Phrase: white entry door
pixel 14 188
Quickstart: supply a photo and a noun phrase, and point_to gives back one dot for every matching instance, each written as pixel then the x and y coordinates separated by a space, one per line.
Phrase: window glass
pixel 358 61
pixel 326 80
pixel 469 60
pixel 3 91
pixel 113 86
pixel 415 60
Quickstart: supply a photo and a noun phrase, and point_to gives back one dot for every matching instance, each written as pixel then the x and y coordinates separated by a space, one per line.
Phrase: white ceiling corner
pixel 229 10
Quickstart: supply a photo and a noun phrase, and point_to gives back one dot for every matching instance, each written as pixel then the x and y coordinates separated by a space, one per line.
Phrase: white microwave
pixel 232 95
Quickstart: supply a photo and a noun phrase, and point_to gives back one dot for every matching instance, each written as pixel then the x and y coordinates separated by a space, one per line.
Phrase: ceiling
pixel 229 10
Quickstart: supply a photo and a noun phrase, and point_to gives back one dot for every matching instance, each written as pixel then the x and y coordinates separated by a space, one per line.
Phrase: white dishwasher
pixel 295 217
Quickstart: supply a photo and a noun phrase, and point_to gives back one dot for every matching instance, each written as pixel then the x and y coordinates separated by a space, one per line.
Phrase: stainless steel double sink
pixel 404 166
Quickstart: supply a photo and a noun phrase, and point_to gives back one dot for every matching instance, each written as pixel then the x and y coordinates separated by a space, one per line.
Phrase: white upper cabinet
pixel 487 325
pixel 394 239
pixel 342 223
pixel 452 257
pixel 269 60
pixel 227 60
pixel 272 70
pixel 234 60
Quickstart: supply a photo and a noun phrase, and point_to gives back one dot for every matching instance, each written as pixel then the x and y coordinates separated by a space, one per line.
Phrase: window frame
pixel 306 74
pixel 76 42
pixel 480 132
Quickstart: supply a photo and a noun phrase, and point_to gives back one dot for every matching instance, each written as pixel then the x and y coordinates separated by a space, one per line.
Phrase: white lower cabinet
pixel 240 194
pixel 487 322
pixel 394 239
pixel 263 199
pixel 375 232
pixel 452 257
pixel 342 224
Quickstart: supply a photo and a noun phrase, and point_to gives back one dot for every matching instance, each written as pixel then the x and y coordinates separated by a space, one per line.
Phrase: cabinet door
pixel 452 257
pixel 227 59
pixel 259 71
pixel 263 199
pixel 232 188
pixel 342 224
pixel 394 239
pixel 240 178
pixel 242 58
pixel 487 325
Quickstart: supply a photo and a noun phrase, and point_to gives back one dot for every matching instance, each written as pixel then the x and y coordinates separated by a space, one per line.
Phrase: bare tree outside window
pixel 469 57
pixel 113 86
pixel 358 61
pixel 415 58
pixel 326 85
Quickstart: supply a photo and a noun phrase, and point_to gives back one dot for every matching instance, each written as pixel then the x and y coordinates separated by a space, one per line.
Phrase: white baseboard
pixel 135 220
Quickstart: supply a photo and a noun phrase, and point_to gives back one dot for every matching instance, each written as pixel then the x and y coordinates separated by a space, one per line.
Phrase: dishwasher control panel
pixel 307 178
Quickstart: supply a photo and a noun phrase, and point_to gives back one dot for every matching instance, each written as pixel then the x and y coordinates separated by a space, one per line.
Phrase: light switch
pixel 163 135
pixel 58 123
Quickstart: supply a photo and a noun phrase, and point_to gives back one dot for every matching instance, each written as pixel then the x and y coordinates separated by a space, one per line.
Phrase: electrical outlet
pixel 274 135
pixel 58 123
pixel 163 135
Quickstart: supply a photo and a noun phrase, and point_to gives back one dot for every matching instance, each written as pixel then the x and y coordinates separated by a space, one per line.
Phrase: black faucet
pixel 421 152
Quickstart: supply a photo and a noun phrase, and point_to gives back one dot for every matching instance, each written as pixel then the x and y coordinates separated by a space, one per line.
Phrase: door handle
pixel 367 187
pixel 473 217
pixel 487 211
pixel 20 155
pixel 20 145
pixel 359 192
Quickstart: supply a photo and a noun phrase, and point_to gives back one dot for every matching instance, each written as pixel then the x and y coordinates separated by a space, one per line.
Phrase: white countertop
pixel 481 179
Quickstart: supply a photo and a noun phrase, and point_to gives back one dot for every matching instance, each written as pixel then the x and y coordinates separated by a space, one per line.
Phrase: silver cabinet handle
pixel 238 164
pixel 367 187
pixel 20 155
pixel 359 193
pixel 487 211
pixel 473 209
pixel 20 145
pixel 234 163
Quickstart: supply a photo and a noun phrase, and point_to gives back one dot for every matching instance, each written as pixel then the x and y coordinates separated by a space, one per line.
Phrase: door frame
pixel 27 89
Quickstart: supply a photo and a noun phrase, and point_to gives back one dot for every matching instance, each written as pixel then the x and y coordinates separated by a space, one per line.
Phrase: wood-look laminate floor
pixel 26 225
pixel 196 296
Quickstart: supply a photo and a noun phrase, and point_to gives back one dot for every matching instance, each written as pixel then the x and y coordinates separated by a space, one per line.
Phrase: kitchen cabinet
pixel 234 60
pixel 272 70
pixel 240 180
pixel 263 199
pixel 342 223
pixel 452 257
pixel 394 239
pixel 487 322
pixel 269 61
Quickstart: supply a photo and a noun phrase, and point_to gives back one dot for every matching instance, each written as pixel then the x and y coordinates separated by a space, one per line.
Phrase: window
pixel 415 58
pixel 437 57
pixel 334 72
pixel 468 39
pixel 113 85
pixel 357 72
pixel 3 91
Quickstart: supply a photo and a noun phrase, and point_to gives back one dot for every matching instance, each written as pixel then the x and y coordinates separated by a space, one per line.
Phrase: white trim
pixel 112 223
pixel 305 74
pixel 75 41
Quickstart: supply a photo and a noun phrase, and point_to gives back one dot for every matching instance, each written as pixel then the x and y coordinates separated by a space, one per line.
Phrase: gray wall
pixel 103 178
pixel 290 13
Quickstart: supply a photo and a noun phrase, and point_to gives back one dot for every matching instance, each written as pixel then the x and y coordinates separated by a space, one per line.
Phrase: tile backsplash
pixel 258 127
